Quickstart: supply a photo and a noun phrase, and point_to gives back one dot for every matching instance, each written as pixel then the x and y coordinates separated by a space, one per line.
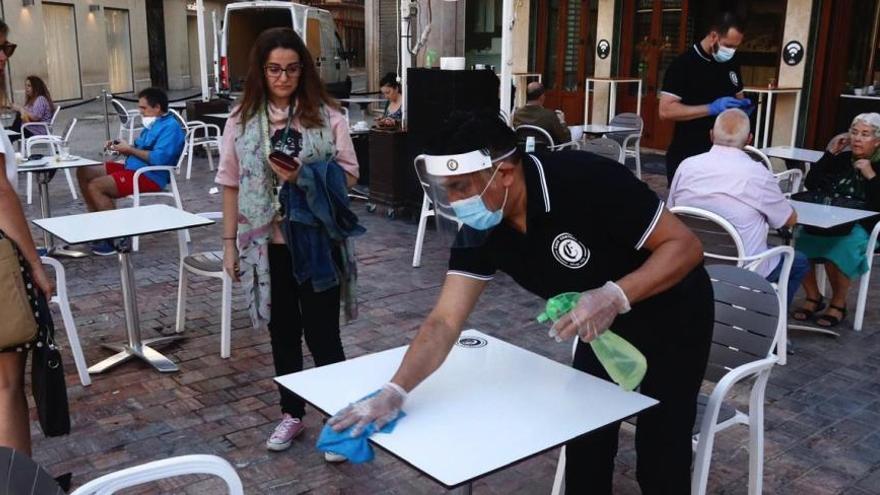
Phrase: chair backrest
pixel 605 147
pixel 790 181
pixel 68 131
pixel 121 112
pixel 542 137
pixel 179 118
pixel 746 319
pixel 758 156
pixel 55 115
pixel 165 468
pixel 628 119
pixel 720 239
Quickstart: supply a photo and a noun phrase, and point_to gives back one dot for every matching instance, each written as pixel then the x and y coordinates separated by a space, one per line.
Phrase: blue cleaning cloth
pixel 356 449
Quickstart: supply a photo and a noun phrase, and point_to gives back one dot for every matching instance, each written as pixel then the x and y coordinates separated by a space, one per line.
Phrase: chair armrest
pixel 136 188
pixel 560 147
pixel 28 125
pixel 734 376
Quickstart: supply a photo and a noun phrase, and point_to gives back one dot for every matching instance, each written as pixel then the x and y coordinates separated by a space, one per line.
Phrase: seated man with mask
pixel 160 143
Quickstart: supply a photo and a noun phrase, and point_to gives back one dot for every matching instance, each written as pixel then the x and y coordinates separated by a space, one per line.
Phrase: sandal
pixel 804 314
pixel 832 321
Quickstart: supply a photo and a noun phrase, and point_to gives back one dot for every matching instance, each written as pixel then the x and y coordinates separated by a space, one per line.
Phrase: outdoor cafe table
pixel 602 129
pixel 825 217
pixel 459 421
pixel 221 116
pixel 44 169
pixel 791 153
pixel 362 102
pixel 114 224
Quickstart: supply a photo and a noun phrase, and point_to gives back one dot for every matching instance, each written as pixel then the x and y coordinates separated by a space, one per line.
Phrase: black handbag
pixel 48 385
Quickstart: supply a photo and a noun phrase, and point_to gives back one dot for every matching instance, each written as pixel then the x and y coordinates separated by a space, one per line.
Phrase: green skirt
pixel 846 251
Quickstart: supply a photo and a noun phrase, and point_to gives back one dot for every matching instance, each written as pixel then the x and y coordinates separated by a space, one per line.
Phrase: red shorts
pixel 124 179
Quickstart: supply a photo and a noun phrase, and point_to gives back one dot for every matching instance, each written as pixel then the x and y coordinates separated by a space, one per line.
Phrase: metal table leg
pixel 135 346
pixel 43 179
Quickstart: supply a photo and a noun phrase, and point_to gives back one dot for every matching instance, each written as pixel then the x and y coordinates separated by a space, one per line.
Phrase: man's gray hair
pixel 872 119
pixel 732 128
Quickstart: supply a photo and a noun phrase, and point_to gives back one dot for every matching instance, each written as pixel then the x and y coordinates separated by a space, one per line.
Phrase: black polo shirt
pixel 697 79
pixel 587 221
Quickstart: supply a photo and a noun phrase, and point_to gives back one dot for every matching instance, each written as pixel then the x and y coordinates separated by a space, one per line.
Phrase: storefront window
pixel 864 61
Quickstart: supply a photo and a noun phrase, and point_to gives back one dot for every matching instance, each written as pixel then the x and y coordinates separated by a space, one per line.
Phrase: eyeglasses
pixel 8 48
pixel 274 71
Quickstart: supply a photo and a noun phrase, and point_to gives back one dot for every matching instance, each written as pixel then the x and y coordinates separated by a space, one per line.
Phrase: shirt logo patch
pixel 569 251
pixel 734 79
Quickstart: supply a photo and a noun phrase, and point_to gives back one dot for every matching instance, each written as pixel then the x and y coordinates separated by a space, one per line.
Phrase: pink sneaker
pixel 288 429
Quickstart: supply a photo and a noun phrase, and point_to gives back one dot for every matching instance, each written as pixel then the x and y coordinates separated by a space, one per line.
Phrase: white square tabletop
pixel 827 216
pixel 49 163
pixel 223 115
pixel 605 129
pixel 488 406
pixel 123 222
pixel 793 153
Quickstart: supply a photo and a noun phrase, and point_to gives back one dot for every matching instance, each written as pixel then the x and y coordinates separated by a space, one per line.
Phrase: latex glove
pixel 593 314
pixel 747 106
pixel 378 409
pixel 725 102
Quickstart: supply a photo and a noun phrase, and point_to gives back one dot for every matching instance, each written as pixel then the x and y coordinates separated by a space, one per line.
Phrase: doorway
pixel 565 52
pixel 62 54
pixel 118 50
pixel 655 33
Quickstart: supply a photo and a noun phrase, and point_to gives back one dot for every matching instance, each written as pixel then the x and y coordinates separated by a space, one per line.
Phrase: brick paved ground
pixel 823 411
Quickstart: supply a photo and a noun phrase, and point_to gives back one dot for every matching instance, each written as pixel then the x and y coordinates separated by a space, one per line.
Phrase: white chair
pixel 42 127
pixel 162 469
pixel 758 156
pixel 542 137
pixel 748 339
pixel 60 298
pixel 790 181
pixel 723 244
pixel 605 147
pixel 207 264
pixel 51 142
pixel 210 138
pixel 127 121
pixel 428 210
pixel 630 142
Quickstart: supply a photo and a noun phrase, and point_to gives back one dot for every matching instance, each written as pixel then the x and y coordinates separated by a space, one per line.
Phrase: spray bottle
pixel 623 362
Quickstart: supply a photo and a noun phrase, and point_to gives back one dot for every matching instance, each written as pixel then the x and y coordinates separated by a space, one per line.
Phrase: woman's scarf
pixel 257 203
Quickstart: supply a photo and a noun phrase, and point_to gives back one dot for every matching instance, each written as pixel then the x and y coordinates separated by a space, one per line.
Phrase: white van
pixel 244 21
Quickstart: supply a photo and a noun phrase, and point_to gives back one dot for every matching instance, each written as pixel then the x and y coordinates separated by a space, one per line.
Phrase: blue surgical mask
pixel 474 213
pixel 723 54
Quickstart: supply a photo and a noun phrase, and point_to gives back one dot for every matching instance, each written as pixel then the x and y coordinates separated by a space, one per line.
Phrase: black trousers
pixel 298 310
pixel 676 347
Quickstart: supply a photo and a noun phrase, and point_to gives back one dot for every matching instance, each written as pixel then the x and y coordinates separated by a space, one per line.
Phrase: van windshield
pixel 244 25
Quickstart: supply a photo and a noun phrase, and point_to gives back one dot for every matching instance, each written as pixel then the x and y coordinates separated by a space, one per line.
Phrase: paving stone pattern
pixel 822 414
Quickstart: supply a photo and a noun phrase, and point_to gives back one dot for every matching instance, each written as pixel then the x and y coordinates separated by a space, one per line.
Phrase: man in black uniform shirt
pixel 560 222
pixel 700 84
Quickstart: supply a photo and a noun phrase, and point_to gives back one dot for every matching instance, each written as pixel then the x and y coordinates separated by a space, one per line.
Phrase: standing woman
pixel 20 271
pixel 285 108
pixel 38 107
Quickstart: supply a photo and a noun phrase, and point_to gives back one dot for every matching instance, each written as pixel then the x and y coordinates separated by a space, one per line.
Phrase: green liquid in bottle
pixel 621 360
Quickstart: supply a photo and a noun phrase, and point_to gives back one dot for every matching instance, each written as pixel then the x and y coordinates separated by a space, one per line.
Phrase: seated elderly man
pixel 534 113
pixel 160 143
pixel 727 182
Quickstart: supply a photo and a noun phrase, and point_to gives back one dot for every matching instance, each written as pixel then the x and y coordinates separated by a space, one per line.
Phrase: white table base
pixel 135 348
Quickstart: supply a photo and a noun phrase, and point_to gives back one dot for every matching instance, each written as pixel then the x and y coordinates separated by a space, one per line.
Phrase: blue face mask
pixel 474 213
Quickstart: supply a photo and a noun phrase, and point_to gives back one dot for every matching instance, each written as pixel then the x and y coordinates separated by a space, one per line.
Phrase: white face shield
pixel 455 184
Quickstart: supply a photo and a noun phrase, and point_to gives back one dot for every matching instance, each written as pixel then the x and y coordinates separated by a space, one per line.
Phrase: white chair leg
pixel 821 278
pixel 862 301
pixel 559 478
pixel 226 319
pixel 30 188
pixel 70 183
pixel 182 286
pixel 420 233
pixel 210 154
pixel 638 161
pixel 189 159
pixel 63 303
pixel 756 435
pixel 178 203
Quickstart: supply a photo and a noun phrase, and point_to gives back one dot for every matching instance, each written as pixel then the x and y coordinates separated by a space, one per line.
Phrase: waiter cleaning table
pixel 561 222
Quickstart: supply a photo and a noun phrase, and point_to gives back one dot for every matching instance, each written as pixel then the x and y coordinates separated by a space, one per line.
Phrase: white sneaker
pixel 334 457
pixel 288 429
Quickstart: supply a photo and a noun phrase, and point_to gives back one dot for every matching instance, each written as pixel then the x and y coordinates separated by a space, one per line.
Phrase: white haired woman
pixel 850 174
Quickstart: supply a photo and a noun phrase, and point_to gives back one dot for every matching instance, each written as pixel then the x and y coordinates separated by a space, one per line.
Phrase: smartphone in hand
pixel 284 161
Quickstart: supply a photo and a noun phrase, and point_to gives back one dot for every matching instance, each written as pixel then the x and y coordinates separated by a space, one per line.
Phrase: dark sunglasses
pixel 8 48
